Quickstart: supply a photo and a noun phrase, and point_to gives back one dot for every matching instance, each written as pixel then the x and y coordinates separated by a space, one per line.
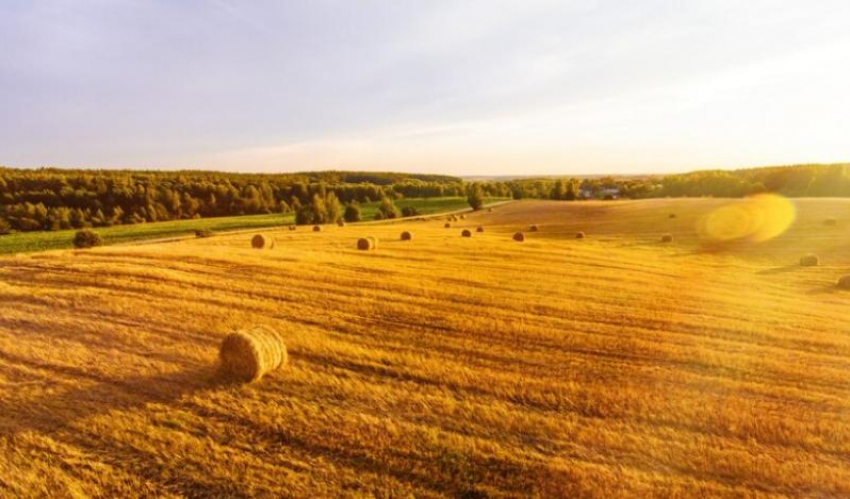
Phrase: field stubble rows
pixel 608 366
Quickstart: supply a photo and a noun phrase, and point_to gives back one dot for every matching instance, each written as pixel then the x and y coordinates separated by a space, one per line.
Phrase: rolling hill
pixel 609 366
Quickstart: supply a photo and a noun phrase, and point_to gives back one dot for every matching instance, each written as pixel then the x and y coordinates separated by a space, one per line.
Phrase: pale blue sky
pixel 460 87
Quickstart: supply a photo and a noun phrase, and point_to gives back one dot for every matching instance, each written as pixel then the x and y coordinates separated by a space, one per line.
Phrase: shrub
pixel 87 239
pixel 844 282
pixel 260 241
pixel 667 238
pixel 352 213
pixel 809 261
pixel 519 237
pixel 406 236
pixel 249 354
pixel 292 227
pixel 388 209
pixel 409 211
pixel 204 233
pixel 579 235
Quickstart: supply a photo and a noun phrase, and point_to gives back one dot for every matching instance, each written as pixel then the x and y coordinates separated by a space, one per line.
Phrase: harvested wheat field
pixel 713 365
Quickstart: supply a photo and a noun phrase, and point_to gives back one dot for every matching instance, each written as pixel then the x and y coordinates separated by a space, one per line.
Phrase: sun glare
pixel 757 218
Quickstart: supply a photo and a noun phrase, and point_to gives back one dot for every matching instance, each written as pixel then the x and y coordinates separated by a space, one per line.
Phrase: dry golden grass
pixel 609 367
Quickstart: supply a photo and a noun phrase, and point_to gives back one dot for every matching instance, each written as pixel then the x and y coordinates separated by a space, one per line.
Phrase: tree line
pixel 792 181
pixel 55 199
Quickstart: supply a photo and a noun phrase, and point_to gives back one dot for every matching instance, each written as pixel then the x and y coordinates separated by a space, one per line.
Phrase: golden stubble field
pixel 443 366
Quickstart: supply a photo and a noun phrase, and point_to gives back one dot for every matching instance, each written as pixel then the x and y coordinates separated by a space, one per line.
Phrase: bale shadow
pixel 60 408
pixel 826 289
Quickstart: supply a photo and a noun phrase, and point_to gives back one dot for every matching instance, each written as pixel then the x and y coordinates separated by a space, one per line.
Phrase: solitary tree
pixel 475 197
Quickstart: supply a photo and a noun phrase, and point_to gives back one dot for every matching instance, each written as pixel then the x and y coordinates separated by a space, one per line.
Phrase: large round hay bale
pixel 447 225
pixel 830 222
pixel 667 238
pixel 843 282
pixel 466 233
pixel 534 228
pixel 341 223
pixel 406 236
pixel 672 215
pixel 489 210
pixel 579 235
pixel 261 241
pixel 809 261
pixel 292 227
pixel 317 228
pixel 367 243
pixel 519 237
pixel 479 229
pixel 250 353
pixel 462 217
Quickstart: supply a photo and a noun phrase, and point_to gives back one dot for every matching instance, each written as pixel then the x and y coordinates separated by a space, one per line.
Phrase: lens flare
pixel 758 218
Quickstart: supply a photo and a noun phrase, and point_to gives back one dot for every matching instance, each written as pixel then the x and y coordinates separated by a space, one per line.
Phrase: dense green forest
pixel 56 199
pixel 792 181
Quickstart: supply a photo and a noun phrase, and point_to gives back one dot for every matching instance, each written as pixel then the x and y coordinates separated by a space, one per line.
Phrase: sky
pixel 467 87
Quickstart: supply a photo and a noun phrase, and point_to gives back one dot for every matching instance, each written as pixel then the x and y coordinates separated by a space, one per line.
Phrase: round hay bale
pixel 406 236
pixel 579 235
pixel 479 229
pixel 317 228
pixel 367 243
pixel 260 241
pixel 830 222
pixel 519 237
pixel 667 238
pixel 249 354
pixel 843 282
pixel 466 233
pixel 809 261
pixel 447 225
pixel 292 227
pixel 672 215
pixel 462 217
pixel 341 223
pixel 534 228
pixel 489 210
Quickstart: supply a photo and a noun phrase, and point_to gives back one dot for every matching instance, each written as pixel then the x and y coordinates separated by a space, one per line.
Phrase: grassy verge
pixel 25 242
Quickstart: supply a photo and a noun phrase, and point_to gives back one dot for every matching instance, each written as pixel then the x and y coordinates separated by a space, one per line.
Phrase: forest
pixel 56 199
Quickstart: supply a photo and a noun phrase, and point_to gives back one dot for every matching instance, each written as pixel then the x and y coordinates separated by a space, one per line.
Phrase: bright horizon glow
pixel 462 88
